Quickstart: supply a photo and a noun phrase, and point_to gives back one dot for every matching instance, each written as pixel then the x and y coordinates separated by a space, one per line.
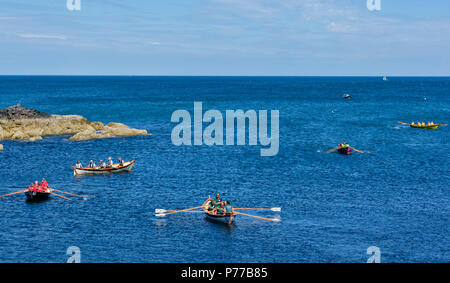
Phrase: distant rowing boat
pixel 222 218
pixel 116 168
pixel 432 127
pixel 424 126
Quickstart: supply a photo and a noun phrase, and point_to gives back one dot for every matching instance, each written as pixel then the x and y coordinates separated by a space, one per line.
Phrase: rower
pixel 78 165
pixel 102 164
pixel 110 163
pixel 44 185
pixel 210 206
pixel 217 200
pixel 221 209
pixel 91 164
pixel 36 186
pixel 228 207
pixel 120 161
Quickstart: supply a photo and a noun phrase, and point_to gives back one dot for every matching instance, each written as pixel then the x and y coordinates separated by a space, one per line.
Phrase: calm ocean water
pixel 334 207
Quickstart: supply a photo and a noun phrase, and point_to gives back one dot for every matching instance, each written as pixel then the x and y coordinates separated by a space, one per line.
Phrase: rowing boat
pixel 431 127
pixel 345 150
pixel 34 196
pixel 116 168
pixel 222 218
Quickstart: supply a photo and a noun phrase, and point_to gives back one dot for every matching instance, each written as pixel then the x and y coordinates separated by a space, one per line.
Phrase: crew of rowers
pixel 103 164
pixel 41 187
pixel 217 206
pixel 422 124
pixel 344 145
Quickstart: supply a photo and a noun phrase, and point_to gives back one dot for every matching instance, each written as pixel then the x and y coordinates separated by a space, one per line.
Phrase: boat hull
pixel 127 166
pixel 225 219
pixel 33 196
pixel 432 127
pixel 345 151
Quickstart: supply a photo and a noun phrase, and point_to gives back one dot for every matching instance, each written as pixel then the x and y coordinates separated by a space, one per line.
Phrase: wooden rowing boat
pixel 35 196
pixel 221 218
pixel 345 150
pixel 116 168
pixel 431 127
pixel 419 125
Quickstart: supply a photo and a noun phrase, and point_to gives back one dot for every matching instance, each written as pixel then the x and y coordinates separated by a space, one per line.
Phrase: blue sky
pixel 225 37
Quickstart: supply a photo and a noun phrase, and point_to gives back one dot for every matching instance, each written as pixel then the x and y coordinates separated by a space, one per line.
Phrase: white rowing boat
pixel 116 168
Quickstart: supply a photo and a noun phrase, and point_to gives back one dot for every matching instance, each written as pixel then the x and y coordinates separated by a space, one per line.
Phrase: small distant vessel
pixel 385 78
pixel 116 168
pixel 422 125
pixel 39 192
pixel 222 218
pixel 227 218
pixel 344 148
pixel 347 96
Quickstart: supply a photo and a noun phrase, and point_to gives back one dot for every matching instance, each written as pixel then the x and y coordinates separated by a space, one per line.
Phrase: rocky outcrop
pixel 19 112
pixel 20 123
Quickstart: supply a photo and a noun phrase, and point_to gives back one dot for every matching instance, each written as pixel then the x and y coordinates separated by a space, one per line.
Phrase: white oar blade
pixel 276 209
pixel 160 210
pixel 160 215
pixel 276 220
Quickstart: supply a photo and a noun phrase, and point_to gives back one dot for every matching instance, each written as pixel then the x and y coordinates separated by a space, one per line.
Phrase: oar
pixel 158 210
pixel 18 192
pixel 357 150
pixel 176 211
pixel 333 149
pixel 404 123
pixel 68 193
pixel 272 209
pixel 60 196
pixel 264 218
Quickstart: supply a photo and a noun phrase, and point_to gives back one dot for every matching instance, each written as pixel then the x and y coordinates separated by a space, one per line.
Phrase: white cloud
pixel 42 36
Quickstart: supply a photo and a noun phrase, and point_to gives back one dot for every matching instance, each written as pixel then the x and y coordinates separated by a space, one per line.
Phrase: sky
pixel 225 37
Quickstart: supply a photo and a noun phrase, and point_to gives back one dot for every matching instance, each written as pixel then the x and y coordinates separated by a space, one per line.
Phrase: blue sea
pixel 394 197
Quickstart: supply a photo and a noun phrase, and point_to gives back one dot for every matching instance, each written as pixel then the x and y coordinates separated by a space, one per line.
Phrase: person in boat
pixel 92 164
pixel 102 164
pixel 210 206
pixel 217 200
pixel 120 161
pixel 31 187
pixel 343 145
pixel 44 185
pixel 110 163
pixel 36 187
pixel 228 207
pixel 220 209
pixel 78 165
